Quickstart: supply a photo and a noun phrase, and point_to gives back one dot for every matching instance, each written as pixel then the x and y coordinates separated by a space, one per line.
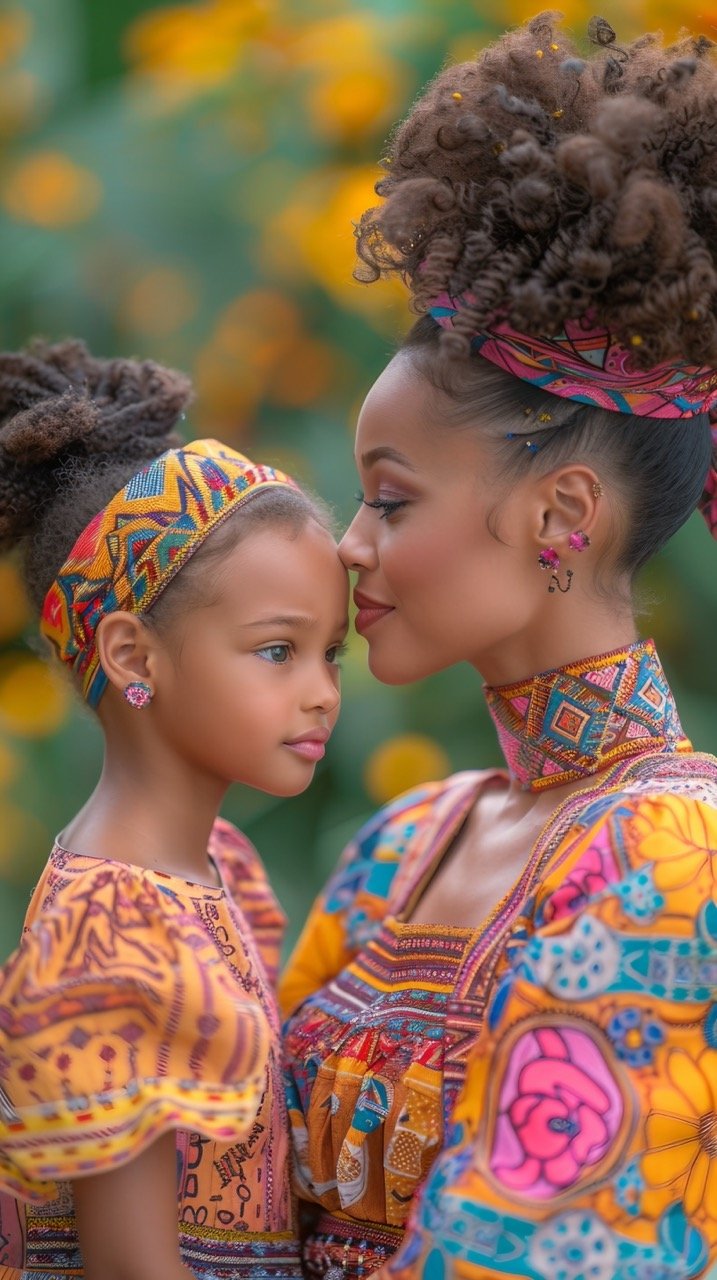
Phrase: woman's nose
pixel 355 549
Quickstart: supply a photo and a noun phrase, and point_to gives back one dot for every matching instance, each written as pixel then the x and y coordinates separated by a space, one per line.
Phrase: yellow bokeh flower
pixel 49 190
pixel 15 30
pixel 403 762
pixel 159 302
pixel 14 605
pixel 34 700
pixel 312 236
pixel 681 1159
pixel 186 49
pixel 354 87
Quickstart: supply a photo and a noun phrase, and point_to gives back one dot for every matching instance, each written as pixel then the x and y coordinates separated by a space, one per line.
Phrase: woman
pixel 502 1041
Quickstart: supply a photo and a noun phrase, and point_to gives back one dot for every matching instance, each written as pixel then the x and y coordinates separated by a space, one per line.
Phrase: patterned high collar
pixel 564 725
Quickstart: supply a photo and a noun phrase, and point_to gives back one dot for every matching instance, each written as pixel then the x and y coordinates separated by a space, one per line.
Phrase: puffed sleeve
pixel 584 1143
pixel 120 1018
pixel 347 912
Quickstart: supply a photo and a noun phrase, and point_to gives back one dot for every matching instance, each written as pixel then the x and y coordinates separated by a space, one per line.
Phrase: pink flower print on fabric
pixel 591 875
pixel 560 1111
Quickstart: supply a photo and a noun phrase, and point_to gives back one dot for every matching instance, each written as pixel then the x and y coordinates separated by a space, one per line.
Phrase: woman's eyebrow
pixel 385 451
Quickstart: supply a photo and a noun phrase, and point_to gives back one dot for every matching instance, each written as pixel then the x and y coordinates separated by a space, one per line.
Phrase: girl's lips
pixel 310 749
pixel 369 611
pixel 312 744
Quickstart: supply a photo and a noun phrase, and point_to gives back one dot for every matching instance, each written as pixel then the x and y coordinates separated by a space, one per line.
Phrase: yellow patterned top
pixel 138 1002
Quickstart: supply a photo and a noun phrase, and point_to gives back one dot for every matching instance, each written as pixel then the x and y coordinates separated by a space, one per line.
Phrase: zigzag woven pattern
pixel 564 725
pixel 131 550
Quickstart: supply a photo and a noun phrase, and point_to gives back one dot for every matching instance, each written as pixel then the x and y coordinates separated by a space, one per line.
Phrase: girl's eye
pixel 336 652
pixel 387 506
pixel 276 653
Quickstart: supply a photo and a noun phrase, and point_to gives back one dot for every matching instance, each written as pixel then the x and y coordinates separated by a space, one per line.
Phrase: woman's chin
pixel 385 668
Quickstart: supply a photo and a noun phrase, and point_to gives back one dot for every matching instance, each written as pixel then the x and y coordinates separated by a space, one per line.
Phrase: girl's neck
pixel 149 814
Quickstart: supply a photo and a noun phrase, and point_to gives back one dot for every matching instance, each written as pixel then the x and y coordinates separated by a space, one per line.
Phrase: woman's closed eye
pixel 387 506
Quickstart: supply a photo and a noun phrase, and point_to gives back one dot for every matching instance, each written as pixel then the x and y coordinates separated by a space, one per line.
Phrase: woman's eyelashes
pixel 387 506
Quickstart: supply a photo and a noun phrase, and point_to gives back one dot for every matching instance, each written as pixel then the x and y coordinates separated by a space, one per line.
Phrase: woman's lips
pixel 369 611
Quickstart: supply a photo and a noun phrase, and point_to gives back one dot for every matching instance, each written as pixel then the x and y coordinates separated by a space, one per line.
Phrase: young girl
pixel 199 603
pixel 502 1049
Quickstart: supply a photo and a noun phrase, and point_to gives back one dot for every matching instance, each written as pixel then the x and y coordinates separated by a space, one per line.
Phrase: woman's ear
pixel 570 501
pixel 127 650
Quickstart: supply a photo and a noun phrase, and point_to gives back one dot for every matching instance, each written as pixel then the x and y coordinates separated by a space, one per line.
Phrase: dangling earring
pixel 549 559
pixel 138 694
pixel 578 540
pixel 554 584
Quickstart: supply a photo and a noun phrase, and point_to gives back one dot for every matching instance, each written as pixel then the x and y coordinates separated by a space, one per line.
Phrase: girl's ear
pixel 127 650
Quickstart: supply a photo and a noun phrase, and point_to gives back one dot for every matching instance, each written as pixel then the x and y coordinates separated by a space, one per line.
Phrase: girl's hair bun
pixel 48 428
pixel 73 429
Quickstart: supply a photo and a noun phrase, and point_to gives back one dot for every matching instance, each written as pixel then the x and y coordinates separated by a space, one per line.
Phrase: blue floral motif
pixel 635 1036
pixel 629 1186
pixel 639 898
pixel 711 1026
pixel 574 1246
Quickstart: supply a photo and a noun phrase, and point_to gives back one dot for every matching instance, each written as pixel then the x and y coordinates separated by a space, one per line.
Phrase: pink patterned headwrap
pixel 587 365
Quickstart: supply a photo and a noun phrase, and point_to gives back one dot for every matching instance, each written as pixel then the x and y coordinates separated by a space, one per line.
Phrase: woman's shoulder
pixel 400 830
pixel 649 840
pixel 420 806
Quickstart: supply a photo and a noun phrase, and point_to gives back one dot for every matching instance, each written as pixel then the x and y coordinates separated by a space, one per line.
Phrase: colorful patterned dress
pixel 536 1098
pixel 139 1002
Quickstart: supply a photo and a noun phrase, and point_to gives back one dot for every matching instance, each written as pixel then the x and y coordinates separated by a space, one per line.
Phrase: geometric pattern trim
pixel 585 363
pixel 131 550
pixel 564 725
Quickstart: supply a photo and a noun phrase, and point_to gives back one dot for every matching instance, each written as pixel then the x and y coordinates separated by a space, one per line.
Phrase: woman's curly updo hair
pixel 73 430
pixel 551 186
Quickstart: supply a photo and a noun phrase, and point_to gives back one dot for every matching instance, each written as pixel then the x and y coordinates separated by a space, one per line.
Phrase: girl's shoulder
pixel 245 879
pixel 237 858
pixel 130 1005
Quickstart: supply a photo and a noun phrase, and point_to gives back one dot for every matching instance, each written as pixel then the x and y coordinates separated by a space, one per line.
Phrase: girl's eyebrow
pixel 283 620
pixel 385 451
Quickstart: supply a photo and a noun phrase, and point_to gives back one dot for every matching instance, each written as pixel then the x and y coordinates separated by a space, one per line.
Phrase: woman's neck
pixel 563 634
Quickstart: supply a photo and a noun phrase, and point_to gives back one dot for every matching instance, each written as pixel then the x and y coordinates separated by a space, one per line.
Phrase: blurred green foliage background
pixel 179 182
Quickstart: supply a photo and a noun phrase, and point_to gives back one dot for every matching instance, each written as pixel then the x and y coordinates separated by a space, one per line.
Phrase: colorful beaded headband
pixel 132 549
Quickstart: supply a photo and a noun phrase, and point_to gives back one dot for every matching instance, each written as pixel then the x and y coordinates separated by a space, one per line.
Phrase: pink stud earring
pixel 138 694
pixel 578 540
pixel 549 558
